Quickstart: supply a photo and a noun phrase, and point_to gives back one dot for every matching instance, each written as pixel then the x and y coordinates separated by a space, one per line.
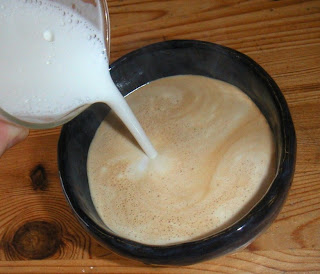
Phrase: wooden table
pixel 38 232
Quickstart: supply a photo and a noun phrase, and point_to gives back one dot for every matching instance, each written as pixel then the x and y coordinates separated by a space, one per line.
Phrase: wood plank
pixel 251 262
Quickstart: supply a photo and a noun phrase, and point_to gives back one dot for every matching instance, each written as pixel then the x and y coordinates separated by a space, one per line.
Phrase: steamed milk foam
pixel 54 61
pixel 216 160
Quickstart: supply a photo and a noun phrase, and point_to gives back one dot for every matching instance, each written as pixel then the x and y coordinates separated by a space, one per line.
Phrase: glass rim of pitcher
pixel 7 117
pixel 68 117
pixel 106 26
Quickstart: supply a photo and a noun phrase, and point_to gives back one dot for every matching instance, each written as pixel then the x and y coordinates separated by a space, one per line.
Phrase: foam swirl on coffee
pixel 216 160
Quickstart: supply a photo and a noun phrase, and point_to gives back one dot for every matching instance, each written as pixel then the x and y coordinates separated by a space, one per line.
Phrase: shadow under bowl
pixel 171 58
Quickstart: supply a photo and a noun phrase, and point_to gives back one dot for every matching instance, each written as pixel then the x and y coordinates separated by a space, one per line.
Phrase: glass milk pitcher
pixel 50 53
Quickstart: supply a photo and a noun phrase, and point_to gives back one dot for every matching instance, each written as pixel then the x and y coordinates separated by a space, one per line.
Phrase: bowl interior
pixel 169 59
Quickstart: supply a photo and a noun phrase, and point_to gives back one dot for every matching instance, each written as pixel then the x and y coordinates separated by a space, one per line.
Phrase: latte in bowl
pixel 226 154
pixel 215 162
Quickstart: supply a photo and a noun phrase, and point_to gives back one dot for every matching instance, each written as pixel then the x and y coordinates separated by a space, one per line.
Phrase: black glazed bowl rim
pixel 237 235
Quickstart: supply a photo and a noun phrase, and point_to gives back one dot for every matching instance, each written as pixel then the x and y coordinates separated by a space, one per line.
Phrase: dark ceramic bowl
pixel 175 58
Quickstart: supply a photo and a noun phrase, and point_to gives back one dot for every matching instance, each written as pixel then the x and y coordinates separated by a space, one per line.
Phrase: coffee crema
pixel 216 160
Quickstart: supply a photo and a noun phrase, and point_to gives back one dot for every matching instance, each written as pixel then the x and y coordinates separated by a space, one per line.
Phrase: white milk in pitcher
pixel 54 61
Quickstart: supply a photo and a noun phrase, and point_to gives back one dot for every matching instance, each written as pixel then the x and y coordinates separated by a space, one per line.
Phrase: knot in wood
pixel 39 178
pixel 37 240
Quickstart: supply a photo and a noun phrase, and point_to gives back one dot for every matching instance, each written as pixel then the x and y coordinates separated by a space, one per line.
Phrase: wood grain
pixel 284 37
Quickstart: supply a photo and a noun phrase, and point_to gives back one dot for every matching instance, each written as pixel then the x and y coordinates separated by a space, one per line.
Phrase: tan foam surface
pixel 215 161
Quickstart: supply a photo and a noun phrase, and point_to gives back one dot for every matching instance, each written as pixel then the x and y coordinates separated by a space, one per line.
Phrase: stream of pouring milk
pixel 54 61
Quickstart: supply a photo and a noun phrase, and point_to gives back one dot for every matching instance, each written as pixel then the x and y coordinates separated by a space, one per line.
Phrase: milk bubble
pixel 48 36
